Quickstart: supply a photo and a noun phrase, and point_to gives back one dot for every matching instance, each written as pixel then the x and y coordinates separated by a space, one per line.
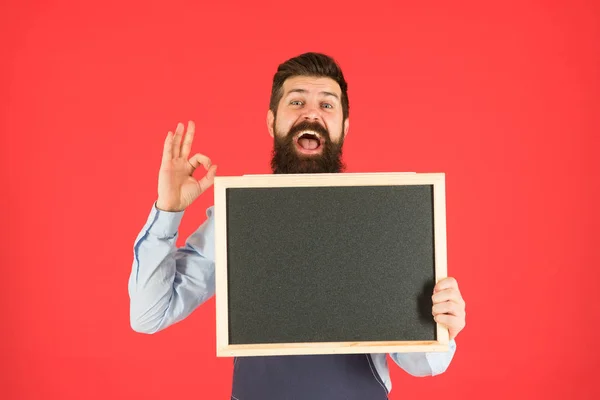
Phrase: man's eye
pixel 327 105
pixel 296 102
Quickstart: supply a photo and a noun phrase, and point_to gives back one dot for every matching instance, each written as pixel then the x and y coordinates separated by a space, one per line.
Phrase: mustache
pixel 310 126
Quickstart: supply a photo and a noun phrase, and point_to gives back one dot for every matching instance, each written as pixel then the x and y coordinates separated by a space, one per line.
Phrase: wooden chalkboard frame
pixel 221 184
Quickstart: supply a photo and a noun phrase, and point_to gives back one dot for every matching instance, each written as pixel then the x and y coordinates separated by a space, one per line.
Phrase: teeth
pixel 310 133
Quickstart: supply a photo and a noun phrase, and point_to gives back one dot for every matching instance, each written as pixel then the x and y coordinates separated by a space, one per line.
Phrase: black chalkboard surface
pixel 328 263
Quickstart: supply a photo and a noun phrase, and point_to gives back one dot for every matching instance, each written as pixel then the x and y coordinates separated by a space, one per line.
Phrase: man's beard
pixel 287 160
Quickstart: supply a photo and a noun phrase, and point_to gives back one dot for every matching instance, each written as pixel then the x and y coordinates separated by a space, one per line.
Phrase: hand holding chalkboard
pixel 449 306
pixel 177 187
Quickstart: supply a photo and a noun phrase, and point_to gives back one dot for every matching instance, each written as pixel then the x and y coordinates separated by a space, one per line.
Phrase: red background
pixel 502 98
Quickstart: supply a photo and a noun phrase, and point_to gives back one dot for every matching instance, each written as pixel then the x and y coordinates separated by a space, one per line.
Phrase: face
pixel 309 129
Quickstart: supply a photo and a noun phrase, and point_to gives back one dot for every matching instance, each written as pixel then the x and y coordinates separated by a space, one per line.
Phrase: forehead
pixel 312 85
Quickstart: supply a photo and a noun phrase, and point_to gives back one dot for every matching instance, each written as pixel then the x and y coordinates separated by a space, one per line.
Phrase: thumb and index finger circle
pixel 199 159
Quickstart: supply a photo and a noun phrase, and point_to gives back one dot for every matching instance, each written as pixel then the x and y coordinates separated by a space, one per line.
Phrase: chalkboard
pixel 329 263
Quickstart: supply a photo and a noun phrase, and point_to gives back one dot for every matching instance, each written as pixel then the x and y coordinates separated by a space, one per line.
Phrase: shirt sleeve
pixel 425 364
pixel 167 283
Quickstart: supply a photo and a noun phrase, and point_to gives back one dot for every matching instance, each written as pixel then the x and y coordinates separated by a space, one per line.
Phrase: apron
pixel 307 377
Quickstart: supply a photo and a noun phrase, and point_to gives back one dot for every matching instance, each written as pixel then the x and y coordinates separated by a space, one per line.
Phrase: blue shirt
pixel 167 283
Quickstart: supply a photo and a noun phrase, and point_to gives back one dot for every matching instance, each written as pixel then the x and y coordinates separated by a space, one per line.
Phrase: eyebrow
pixel 305 91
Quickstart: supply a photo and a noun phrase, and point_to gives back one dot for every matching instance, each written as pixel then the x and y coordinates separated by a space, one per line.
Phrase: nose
pixel 312 113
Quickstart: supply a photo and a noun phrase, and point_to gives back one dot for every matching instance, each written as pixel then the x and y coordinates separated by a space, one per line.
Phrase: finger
pixel 167 148
pixel 449 321
pixel 177 140
pixel 187 141
pixel 447 294
pixel 445 283
pixel 198 160
pixel 208 179
pixel 448 307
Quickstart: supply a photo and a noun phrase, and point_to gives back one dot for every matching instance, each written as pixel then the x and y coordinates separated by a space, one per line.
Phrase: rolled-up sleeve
pixel 425 364
pixel 167 283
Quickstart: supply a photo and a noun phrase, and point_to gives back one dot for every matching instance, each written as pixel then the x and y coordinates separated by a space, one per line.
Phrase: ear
pixel 346 127
pixel 270 123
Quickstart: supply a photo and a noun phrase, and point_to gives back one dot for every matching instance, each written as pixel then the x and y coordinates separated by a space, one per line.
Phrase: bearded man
pixel 308 118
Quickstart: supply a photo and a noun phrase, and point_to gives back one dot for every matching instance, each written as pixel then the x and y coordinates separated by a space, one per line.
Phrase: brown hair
pixel 309 64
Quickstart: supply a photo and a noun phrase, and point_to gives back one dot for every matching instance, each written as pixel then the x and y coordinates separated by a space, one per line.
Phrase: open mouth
pixel 309 142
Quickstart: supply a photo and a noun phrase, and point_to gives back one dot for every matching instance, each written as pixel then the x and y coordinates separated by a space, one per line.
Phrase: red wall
pixel 504 99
